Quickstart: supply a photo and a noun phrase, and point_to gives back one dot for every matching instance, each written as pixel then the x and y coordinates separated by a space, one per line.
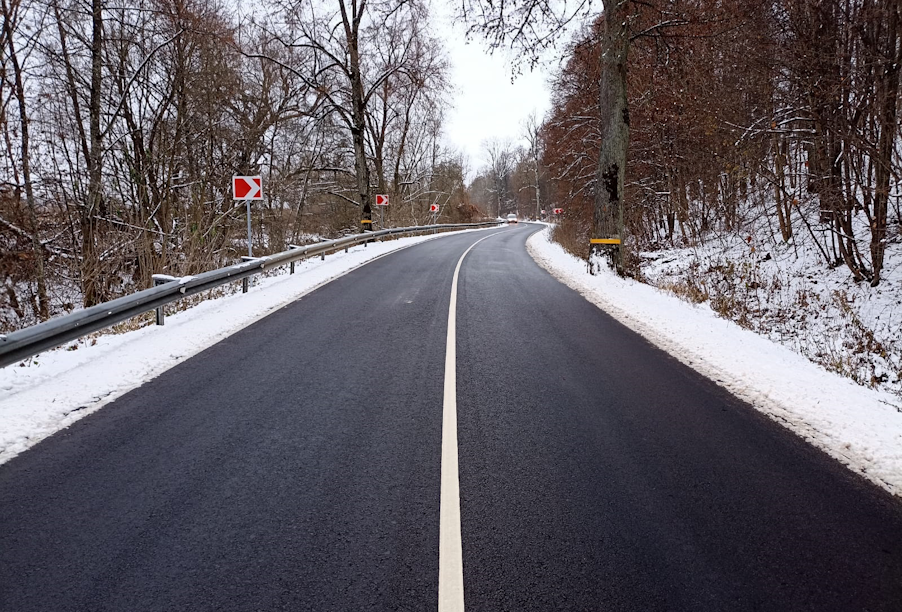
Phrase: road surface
pixel 297 465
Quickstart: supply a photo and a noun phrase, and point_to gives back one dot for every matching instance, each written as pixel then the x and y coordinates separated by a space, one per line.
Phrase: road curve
pixel 296 466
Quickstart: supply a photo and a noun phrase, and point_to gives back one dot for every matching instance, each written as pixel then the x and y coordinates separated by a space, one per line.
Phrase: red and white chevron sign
pixel 433 208
pixel 247 187
pixel 381 200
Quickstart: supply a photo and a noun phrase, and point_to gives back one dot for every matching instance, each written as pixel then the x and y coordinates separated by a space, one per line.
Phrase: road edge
pixel 75 411
pixel 769 407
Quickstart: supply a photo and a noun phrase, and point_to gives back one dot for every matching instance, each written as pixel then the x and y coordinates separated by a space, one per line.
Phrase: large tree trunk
pixel 90 268
pixel 615 123
pixel 358 109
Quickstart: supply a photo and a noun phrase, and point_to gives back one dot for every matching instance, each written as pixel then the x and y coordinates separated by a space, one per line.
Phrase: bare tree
pixel 615 126
pixel 501 157
pixel 12 14
pixel 137 114
pixel 343 69
pixel 532 134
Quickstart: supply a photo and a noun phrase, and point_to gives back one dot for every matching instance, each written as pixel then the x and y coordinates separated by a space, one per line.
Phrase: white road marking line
pixel 450 548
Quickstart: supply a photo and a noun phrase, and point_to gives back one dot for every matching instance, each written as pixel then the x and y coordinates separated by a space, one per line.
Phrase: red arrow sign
pixel 558 211
pixel 381 200
pixel 433 208
pixel 247 187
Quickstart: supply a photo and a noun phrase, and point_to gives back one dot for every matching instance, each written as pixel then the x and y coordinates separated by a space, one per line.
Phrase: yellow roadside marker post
pixel 366 225
pixel 608 246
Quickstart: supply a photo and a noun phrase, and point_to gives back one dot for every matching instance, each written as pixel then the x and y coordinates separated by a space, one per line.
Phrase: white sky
pixel 486 104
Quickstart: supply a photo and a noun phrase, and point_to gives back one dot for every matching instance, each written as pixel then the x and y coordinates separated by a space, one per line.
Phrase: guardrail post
pixel 161 316
pixel 292 247
pixel 244 281
pixel 162 279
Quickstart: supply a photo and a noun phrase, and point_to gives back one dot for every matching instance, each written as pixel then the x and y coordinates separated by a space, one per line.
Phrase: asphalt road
pixel 296 466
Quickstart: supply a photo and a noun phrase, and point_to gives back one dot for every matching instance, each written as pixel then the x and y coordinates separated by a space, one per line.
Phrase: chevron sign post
pixel 248 188
pixel 433 208
pixel 381 202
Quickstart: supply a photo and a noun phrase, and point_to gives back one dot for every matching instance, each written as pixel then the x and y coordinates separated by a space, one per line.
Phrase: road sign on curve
pixel 247 187
pixel 433 208
pixel 381 200
pixel 558 211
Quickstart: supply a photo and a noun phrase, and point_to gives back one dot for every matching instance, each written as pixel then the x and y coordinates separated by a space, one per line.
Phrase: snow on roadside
pixel 56 388
pixel 860 427
pixel 784 290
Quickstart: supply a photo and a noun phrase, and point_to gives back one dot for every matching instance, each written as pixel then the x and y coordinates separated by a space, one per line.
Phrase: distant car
pixel 512 218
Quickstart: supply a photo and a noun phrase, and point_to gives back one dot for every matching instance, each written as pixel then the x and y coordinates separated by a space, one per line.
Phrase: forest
pixel 770 108
pixel 123 123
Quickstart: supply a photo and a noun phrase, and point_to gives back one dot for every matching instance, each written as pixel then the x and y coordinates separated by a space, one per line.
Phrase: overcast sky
pixel 486 104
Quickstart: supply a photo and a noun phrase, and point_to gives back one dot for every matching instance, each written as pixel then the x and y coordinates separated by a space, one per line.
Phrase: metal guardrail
pixel 30 341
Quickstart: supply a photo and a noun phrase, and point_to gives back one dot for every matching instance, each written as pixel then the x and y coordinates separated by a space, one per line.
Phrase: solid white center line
pixel 450 548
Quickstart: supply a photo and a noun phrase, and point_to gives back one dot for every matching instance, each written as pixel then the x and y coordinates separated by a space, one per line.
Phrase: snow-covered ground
pixel 860 427
pixel 786 291
pixel 54 389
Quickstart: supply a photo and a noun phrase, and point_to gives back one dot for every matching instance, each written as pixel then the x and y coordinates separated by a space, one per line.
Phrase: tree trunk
pixel 378 135
pixel 535 170
pixel 402 143
pixel 90 269
pixel 888 126
pixel 358 108
pixel 37 248
pixel 614 132
pixel 784 202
